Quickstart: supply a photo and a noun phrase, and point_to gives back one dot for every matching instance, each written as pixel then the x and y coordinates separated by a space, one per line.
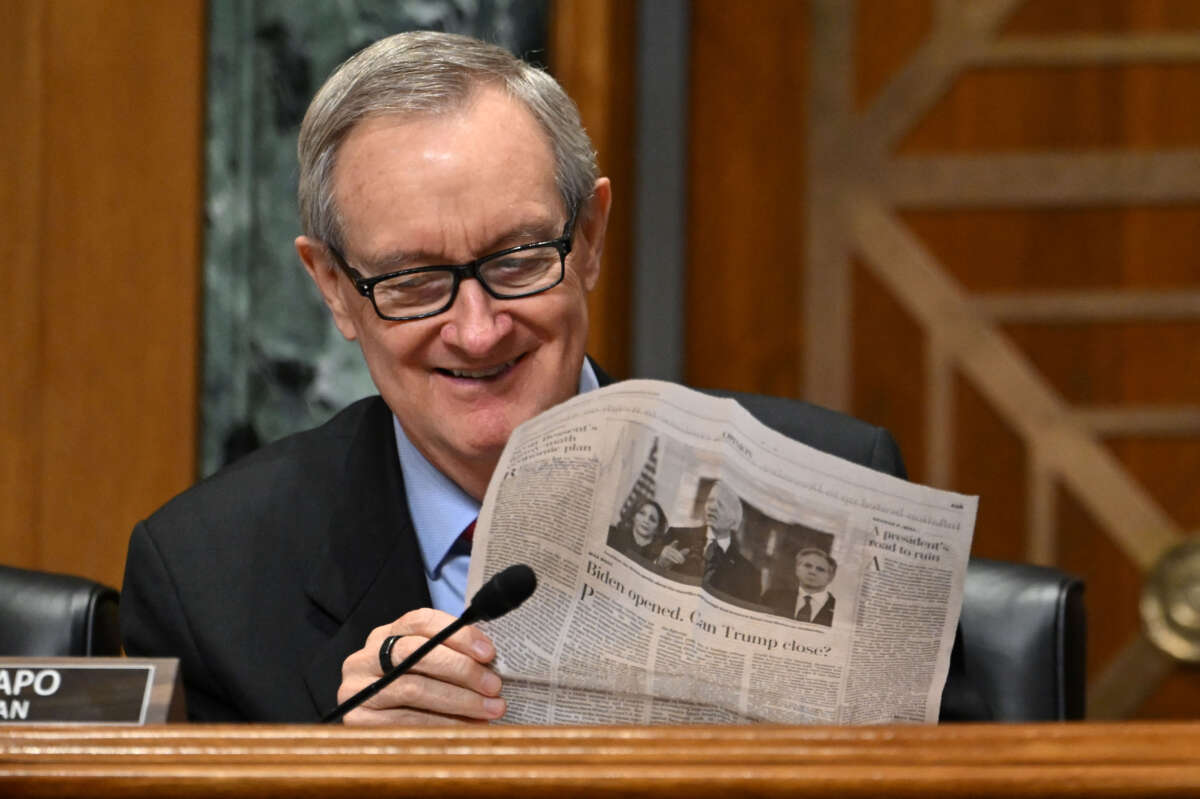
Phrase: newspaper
pixel 695 566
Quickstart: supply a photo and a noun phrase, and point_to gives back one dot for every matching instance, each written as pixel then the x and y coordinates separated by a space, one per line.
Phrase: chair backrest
pixel 1023 633
pixel 52 615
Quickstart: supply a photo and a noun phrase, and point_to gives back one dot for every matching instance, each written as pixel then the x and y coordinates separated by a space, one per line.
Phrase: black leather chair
pixel 52 615
pixel 1023 644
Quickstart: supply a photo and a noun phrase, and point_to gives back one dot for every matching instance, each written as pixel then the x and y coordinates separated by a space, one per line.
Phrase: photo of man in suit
pixel 811 601
pixel 453 222
pixel 711 551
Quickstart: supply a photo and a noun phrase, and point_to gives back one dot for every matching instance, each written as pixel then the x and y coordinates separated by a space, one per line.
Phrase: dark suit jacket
pixel 784 602
pixel 689 540
pixel 620 538
pixel 263 578
pixel 734 575
pixel 731 572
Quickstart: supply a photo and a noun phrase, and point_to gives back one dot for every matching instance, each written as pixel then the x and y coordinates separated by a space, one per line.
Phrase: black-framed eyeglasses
pixel 424 291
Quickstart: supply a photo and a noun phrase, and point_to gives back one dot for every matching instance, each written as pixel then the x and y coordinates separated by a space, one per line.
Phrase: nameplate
pixel 89 690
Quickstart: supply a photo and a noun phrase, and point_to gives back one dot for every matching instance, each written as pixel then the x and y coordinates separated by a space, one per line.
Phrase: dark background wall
pixel 273 361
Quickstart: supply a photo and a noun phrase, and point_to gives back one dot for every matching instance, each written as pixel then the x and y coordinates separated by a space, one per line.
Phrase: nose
pixel 474 325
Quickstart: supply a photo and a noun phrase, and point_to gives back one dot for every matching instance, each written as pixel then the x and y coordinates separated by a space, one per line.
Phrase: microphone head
pixel 504 592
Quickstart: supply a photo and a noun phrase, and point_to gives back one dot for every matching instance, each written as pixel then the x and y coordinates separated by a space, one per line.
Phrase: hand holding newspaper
pixel 695 566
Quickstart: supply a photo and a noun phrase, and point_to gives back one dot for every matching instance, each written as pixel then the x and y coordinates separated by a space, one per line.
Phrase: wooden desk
pixel 1140 759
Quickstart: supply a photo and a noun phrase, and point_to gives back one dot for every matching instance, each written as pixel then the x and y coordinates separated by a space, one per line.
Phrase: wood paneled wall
pixel 100 210
pixel 1082 273
pixel 593 55
pixel 746 179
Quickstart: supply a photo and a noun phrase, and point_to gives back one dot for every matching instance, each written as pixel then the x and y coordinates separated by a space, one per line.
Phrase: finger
pixel 427 622
pixel 442 663
pixel 404 716
pixel 420 693
pixel 449 665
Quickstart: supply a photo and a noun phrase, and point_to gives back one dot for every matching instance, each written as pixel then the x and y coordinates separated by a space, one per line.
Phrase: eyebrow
pixel 403 259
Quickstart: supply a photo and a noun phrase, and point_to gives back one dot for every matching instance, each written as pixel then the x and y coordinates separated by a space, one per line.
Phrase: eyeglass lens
pixel 514 274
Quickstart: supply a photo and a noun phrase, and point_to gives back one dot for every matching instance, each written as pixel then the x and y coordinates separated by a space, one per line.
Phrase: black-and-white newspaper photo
pixel 695 566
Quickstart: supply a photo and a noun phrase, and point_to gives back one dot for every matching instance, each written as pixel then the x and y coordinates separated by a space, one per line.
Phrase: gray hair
pixel 735 501
pixel 425 72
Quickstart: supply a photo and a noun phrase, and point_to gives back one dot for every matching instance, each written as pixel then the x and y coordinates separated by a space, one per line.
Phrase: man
pixel 711 550
pixel 810 602
pixel 425 149
pixel 293 578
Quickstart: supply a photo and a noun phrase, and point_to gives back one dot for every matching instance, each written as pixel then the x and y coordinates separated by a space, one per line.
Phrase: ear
pixel 319 264
pixel 589 237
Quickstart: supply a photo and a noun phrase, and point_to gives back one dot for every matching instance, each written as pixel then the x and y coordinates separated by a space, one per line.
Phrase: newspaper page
pixel 695 566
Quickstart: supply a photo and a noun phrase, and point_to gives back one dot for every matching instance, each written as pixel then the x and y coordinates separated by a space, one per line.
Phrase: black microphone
pixel 504 592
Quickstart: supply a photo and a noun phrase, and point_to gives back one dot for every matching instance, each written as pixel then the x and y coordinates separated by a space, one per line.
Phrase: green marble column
pixel 273 362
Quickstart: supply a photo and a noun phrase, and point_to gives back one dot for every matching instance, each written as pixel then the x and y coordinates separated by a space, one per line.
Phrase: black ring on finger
pixel 385 652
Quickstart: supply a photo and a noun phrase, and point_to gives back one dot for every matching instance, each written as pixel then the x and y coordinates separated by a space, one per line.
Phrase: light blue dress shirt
pixel 440 511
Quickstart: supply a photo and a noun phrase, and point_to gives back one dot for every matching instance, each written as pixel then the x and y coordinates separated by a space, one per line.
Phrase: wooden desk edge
pixel 1102 759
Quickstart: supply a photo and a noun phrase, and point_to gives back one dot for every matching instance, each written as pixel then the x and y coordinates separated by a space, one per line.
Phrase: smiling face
pixel 814 571
pixel 446 189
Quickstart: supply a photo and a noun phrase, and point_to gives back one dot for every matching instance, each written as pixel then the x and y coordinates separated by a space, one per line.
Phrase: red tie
pixel 467 536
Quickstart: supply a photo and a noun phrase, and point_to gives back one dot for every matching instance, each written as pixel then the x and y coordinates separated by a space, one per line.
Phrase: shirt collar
pixel 818 600
pixel 440 510
pixel 723 541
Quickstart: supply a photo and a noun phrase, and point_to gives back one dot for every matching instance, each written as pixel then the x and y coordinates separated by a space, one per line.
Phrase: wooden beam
pixel 825 280
pixel 960 30
pixel 1140 421
pixel 1089 49
pixel 1128 680
pixel 1005 377
pixel 1043 179
pixel 1088 306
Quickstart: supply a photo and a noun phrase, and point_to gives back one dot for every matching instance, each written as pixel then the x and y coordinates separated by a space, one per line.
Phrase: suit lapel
pixel 370 570
pixel 825 614
pixel 602 377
